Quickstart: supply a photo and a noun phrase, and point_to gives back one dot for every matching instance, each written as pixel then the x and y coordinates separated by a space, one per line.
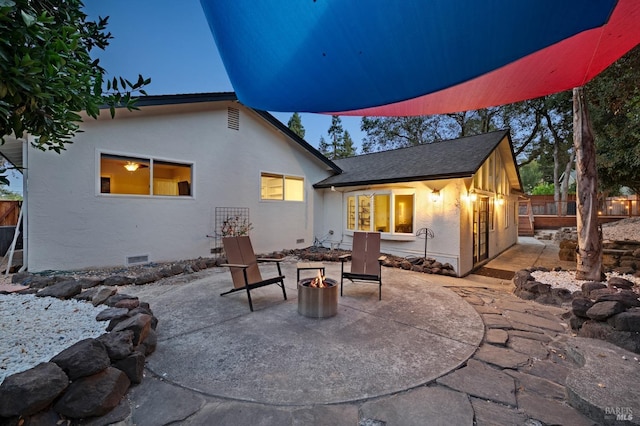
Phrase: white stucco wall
pixel 443 217
pixel 71 225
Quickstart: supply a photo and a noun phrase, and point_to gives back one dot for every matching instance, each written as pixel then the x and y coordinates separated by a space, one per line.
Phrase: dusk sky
pixel 170 42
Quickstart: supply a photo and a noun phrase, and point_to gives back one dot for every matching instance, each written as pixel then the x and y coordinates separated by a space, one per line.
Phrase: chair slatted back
pixel 365 253
pixel 240 251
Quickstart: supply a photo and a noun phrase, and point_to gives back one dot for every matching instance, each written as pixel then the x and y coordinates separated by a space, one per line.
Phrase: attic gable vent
pixel 233 118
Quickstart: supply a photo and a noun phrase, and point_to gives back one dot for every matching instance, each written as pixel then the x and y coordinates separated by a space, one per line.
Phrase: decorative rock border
pixel 415 264
pixel 609 312
pixel 90 378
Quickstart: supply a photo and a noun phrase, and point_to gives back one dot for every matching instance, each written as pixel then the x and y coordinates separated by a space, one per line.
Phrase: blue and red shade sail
pixel 414 57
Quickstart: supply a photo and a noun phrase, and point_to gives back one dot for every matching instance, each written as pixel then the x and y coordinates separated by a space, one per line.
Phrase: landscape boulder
pixel 83 358
pixel 94 395
pixel 28 392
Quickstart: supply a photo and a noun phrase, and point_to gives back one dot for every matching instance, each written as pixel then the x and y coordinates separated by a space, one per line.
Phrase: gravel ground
pixel 35 329
pixel 625 229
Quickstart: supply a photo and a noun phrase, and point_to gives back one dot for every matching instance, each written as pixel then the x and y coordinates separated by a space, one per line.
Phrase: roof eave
pixel 459 175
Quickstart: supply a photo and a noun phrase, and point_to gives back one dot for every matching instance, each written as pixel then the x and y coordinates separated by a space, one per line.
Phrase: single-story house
pixel 463 192
pixel 168 181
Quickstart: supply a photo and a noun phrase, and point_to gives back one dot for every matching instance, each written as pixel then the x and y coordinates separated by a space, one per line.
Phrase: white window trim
pixel 392 193
pixel 284 176
pixel 151 158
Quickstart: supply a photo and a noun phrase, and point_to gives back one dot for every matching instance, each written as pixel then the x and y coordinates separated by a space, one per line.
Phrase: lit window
pixel 279 187
pixel 387 212
pixel 351 212
pixel 404 214
pixel 134 176
pixel 382 212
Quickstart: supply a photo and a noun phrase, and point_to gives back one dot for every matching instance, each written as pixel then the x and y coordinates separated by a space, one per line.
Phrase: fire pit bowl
pixel 317 302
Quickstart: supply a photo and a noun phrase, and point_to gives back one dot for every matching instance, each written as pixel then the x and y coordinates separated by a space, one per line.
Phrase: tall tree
pixel 335 132
pixel 295 124
pixel 614 106
pixel 48 74
pixel 347 149
pixel 589 250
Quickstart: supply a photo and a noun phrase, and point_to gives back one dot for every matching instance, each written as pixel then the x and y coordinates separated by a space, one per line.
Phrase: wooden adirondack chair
pixel 244 267
pixel 366 262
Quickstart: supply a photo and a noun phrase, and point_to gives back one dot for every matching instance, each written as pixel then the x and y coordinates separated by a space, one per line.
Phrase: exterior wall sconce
pixel 435 195
pixel 500 200
pixel 131 166
pixel 473 197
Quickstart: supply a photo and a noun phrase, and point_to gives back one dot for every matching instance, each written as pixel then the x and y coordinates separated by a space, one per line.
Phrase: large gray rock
pixel 628 340
pixel 26 393
pixel 589 286
pixel 61 290
pixel 602 310
pixel 112 313
pixel 580 306
pixel 140 324
pixel 628 298
pixel 102 294
pixel 93 395
pixel 627 321
pixel 119 344
pixel 111 301
pixel 619 282
pixel 84 358
pixel 132 366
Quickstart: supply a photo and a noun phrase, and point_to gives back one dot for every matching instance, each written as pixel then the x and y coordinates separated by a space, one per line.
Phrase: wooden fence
pixel 9 212
pixel 541 211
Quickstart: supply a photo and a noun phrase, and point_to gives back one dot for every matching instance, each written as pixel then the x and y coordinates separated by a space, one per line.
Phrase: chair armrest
pixel 382 259
pixel 344 257
pixel 235 265
pixel 269 259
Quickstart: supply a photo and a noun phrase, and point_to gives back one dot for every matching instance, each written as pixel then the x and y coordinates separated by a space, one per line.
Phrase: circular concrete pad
pixel 417 333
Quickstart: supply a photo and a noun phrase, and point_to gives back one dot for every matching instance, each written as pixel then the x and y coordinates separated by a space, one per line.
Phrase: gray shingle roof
pixel 439 160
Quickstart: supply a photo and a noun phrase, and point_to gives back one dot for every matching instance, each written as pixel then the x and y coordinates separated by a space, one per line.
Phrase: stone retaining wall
pixel 622 257
pixel 609 312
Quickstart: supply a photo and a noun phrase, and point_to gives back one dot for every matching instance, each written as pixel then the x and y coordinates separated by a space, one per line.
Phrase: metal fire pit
pixel 317 302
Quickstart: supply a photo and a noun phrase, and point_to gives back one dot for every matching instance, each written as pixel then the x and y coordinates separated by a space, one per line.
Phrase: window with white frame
pixel 389 212
pixel 280 187
pixel 144 176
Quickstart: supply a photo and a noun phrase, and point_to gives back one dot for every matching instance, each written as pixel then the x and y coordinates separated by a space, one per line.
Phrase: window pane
pixel 382 212
pixel 364 213
pixel 403 218
pixel 293 189
pixel 124 175
pixel 351 212
pixel 271 187
pixel 171 178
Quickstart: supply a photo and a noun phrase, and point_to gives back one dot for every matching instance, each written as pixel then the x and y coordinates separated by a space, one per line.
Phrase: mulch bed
pixel 494 273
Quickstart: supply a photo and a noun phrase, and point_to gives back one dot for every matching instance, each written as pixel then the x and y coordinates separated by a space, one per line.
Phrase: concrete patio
pixel 435 350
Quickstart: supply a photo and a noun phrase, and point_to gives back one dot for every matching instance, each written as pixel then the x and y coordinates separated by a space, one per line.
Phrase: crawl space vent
pixel 233 118
pixel 137 260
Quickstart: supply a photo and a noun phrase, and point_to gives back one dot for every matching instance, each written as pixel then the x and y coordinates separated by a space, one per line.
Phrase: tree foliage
pixel 295 125
pixel 48 74
pixel 340 144
pixel 614 105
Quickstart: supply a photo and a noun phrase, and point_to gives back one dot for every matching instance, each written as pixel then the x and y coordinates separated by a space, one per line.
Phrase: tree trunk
pixel 589 251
